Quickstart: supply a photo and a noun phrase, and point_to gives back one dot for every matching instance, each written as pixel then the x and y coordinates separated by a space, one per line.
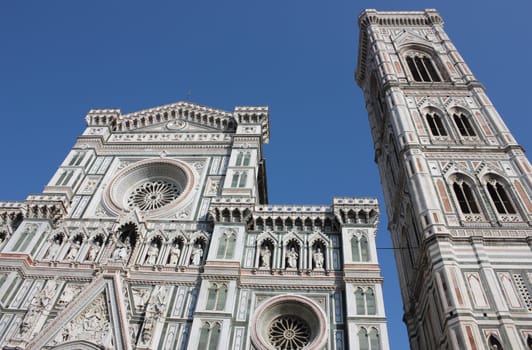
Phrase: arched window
pixel 363 341
pixel 359 249
pixel 365 301
pixel 65 177
pixel 355 249
pixel 226 246
pixel 494 343
pixel 463 125
pixel 239 157
pixel 361 304
pixel 234 180
pixel 464 196
pixel 243 179
pixel 209 336
pixel 500 197
pixel 374 343
pixel 436 124
pixel 370 302
pixel 216 297
pixel 422 68
pixel 247 158
pixel 364 254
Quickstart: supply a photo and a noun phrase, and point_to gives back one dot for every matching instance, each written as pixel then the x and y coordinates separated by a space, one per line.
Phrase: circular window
pixel 289 322
pixel 289 332
pixel 153 195
pixel 151 186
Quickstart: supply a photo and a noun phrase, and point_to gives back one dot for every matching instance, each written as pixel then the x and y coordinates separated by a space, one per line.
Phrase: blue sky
pixel 61 58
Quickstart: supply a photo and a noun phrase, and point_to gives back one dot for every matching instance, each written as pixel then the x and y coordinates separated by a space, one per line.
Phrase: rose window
pixel 289 332
pixel 151 186
pixel 153 195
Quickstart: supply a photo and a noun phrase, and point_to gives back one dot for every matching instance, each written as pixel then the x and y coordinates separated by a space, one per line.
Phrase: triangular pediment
pixel 94 318
pixel 408 37
pixel 175 117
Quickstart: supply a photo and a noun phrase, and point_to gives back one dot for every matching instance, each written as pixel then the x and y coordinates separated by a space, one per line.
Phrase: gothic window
pixel 216 297
pixel 370 302
pixel 368 341
pixel 226 246
pixel 234 181
pixel 359 297
pixel 247 158
pixel 365 301
pixel 422 68
pixel 243 159
pixel 209 336
pixel 464 196
pixel 364 254
pixel 374 339
pixel 65 177
pixel 494 343
pixel 363 340
pixel 355 251
pixel 359 249
pixel 239 157
pixel 77 158
pixel 436 124
pixel 463 125
pixel 239 179
pixel 243 178
pixel 500 198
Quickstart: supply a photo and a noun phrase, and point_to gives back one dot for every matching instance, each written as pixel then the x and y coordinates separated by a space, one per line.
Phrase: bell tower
pixel 457 187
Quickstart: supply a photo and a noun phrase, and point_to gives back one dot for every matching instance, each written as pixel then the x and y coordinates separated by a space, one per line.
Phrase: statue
pixel 197 253
pixel 175 252
pixel 121 251
pixel 140 297
pixel 319 259
pixel 74 249
pixel 265 255
pixel 292 258
pixel 54 248
pixel 153 253
pixel 93 250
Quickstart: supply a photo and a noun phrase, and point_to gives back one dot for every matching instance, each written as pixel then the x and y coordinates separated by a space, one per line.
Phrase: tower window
pixel 365 301
pixel 239 179
pixel 436 124
pixel 226 246
pixel 209 336
pixel 423 69
pixel 216 297
pixel 359 249
pixel 465 198
pixel 463 125
pixel 500 198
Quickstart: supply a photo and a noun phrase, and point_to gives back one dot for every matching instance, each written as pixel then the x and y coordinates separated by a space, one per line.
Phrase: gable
pixel 94 319
pixel 172 117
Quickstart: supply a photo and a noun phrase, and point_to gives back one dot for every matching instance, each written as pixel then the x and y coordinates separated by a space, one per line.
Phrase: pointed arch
pixel 363 341
pixel 499 193
pixel 494 342
pixel 464 194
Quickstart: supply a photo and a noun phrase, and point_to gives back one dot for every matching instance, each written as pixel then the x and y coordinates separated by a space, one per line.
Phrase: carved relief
pixel 69 293
pixel 92 325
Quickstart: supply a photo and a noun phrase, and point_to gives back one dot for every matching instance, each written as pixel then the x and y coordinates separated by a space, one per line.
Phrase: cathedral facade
pixel 156 233
pixel 457 187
